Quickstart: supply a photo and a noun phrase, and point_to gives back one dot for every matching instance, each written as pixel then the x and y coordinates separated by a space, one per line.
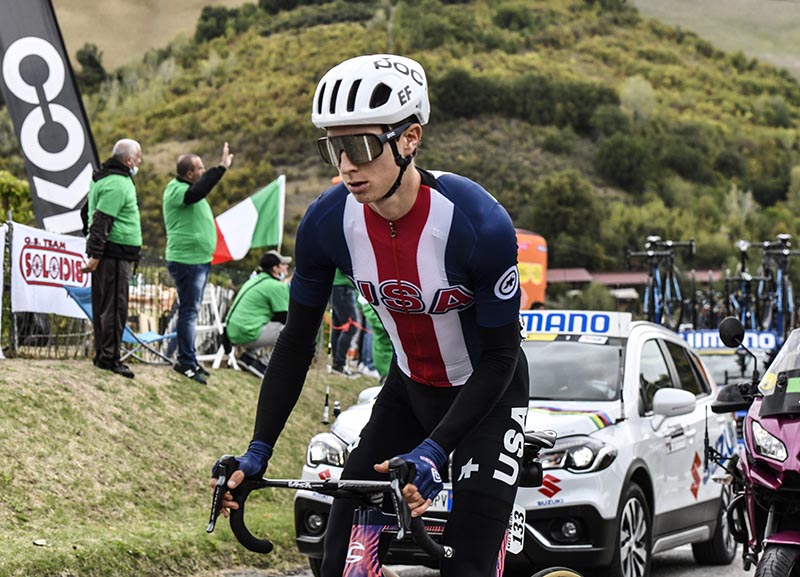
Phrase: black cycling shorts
pixel 484 469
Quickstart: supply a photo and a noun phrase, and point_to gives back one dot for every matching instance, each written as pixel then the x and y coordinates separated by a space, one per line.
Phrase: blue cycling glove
pixel 254 462
pixel 428 458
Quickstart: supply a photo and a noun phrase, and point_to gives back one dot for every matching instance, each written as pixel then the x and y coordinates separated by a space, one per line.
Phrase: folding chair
pixel 137 341
pixel 210 327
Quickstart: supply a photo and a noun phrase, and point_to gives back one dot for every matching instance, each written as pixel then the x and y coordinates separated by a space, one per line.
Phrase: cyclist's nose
pixel 345 164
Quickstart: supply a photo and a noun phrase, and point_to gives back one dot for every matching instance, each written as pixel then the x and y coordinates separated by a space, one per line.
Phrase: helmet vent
pixel 380 96
pixel 334 94
pixel 320 98
pixel 351 98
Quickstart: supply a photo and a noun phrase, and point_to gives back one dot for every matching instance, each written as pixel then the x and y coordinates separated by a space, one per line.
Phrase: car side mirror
pixel 731 398
pixel 673 402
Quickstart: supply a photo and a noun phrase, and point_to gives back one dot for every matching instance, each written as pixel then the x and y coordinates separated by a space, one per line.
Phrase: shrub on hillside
pixel 688 149
pixel 92 73
pixel 532 98
pixel 318 15
pixel 213 22
pixel 730 164
pixel 625 160
pixel 514 16
pixel 567 212
pixel 608 119
pixel 560 141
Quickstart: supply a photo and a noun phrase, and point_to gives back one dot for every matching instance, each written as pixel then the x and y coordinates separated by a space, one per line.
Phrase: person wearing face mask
pixel 191 240
pixel 114 243
pixel 258 311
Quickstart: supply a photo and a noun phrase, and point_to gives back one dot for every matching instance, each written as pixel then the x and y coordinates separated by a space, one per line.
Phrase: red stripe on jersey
pixel 396 260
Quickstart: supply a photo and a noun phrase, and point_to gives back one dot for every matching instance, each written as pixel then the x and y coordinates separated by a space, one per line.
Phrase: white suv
pixel 626 478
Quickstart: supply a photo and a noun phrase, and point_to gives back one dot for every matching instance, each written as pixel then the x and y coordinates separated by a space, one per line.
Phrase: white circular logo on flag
pixel 507 286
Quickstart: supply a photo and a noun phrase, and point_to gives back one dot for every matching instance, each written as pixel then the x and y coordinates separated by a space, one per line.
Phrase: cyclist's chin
pixel 364 194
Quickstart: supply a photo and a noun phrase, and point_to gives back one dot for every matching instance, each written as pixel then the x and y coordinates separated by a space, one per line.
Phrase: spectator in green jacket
pixel 113 245
pixel 191 240
pixel 258 311
pixel 382 349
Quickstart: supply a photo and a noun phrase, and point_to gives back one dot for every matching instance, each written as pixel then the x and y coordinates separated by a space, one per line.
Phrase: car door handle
pixel 675 431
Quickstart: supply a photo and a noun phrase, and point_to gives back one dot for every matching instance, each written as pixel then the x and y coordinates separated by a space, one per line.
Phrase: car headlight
pixel 767 445
pixel 578 455
pixel 326 449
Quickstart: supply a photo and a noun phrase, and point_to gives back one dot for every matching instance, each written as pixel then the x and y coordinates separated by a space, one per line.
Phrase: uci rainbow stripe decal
pixel 600 419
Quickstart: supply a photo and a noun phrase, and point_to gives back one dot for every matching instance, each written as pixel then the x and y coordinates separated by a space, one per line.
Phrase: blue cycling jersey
pixel 434 276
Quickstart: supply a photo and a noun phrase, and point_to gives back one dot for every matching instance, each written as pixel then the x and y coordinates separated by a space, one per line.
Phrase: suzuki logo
pixel 354 552
pixel 550 486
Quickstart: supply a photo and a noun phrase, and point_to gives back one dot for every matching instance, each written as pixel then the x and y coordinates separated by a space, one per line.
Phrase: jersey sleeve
pixel 314 269
pixel 494 270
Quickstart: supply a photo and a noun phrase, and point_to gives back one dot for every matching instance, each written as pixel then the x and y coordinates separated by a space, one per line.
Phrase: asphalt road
pixel 675 563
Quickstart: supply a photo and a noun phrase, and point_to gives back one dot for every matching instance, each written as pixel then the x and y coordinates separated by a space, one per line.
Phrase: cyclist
pixel 435 255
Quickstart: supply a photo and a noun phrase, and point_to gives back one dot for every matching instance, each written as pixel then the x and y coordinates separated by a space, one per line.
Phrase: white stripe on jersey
pixel 433 276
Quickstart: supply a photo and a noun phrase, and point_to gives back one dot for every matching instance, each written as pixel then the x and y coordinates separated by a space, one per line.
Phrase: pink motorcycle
pixel 764 514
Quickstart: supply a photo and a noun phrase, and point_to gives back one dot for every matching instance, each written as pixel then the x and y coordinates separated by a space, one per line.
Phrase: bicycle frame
pixel 775 291
pixel 663 301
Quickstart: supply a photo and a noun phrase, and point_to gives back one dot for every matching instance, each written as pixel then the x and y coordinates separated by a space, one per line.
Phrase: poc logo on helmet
pixel 401 68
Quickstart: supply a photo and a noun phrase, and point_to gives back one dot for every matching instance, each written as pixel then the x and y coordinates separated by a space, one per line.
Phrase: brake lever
pixel 401 472
pixel 226 466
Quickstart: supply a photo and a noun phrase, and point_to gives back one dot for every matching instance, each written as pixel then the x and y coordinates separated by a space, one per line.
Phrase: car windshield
pixel 574 368
pixel 733 366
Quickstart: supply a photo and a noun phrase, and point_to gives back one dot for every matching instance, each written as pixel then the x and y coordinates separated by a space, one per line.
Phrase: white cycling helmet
pixel 381 89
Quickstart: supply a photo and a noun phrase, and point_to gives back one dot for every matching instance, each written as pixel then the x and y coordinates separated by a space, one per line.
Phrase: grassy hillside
pixel 593 124
pixel 125 30
pixel 105 476
pixel 763 29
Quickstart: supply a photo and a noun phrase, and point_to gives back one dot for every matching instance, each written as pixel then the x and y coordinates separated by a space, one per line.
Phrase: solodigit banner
pixel 49 119
pixel 42 263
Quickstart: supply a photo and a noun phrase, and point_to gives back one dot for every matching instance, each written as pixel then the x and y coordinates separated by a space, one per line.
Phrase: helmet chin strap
pixel 402 162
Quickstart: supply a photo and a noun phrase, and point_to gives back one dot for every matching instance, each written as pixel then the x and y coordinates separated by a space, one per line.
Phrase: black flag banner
pixel 46 109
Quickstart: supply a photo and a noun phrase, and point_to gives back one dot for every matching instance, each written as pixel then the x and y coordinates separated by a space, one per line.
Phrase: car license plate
pixel 443 502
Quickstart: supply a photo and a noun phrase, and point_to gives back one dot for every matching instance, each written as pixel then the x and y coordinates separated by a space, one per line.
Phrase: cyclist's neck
pixel 400 203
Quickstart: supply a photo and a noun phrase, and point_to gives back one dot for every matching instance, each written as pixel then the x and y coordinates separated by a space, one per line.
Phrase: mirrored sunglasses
pixel 360 148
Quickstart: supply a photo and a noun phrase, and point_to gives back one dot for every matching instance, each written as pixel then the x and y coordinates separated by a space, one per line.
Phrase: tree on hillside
pixel 92 73
pixel 566 211
pixel 213 22
pixel 15 197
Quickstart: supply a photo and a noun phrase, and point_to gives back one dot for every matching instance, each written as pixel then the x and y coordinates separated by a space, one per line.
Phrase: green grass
pixel 104 476
pixel 763 29
pixel 125 30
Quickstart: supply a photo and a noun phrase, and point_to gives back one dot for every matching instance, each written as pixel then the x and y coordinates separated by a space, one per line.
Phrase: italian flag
pixel 255 222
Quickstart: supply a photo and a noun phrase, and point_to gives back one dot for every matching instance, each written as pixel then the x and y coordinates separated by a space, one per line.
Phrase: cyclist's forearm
pixel 499 353
pixel 286 373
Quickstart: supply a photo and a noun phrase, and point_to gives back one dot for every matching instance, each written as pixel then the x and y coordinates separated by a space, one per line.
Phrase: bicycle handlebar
pixel 400 473
pixel 649 253
pixel 780 252
pixel 670 244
